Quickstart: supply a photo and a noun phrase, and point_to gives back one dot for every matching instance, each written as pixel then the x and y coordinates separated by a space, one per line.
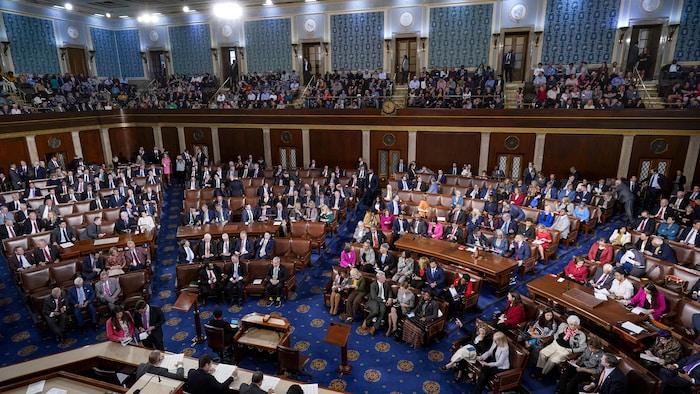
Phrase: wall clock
pixel 226 31
pixel 310 25
pixel 512 142
pixel 286 137
pixel 659 146
pixel 73 32
pixel 388 108
pixel 153 35
pixel 54 142
pixel 198 135
pixel 650 5
pixel 389 139
pixel 518 12
pixel 406 19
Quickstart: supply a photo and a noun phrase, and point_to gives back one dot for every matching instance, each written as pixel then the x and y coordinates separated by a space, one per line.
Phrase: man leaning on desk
pixel 153 367
pixel 202 380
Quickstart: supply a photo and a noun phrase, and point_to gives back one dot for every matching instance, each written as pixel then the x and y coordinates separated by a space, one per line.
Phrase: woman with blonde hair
pixel 501 352
pixel 338 290
pixel 115 262
pixel 419 273
pixel 423 207
pixel 405 300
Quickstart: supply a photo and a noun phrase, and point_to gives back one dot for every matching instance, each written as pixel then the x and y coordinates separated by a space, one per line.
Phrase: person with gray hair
pixel 54 311
pixel 386 261
pixel 568 339
pixel 380 299
pixel 611 379
pixel 80 298
pixel 255 385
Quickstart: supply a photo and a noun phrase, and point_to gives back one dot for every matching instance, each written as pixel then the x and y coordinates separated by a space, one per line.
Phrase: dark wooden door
pixel 77 63
pixel 156 64
pixel 387 161
pixel 518 42
pixel 316 55
pixel 405 47
pixel 648 36
pixel 229 64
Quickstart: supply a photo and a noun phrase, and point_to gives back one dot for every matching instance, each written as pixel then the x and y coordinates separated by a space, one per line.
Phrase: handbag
pixel 674 283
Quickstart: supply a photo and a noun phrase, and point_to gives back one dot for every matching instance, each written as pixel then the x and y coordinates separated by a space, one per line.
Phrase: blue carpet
pixel 380 364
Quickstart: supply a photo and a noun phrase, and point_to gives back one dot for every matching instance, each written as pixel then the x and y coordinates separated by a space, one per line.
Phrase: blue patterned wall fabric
pixel 105 47
pixel 129 53
pixel 460 35
pixel 33 44
pixel 190 47
pixel 688 34
pixel 357 40
pixel 262 51
pixel 579 31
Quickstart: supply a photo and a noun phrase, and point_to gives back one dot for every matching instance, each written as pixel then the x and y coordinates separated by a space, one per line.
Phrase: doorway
pixel 518 42
pixel 662 165
pixel 156 65
pixel 388 160
pixel 510 164
pixel 229 64
pixel 77 64
pixel 405 47
pixel 647 36
pixel 288 157
pixel 313 51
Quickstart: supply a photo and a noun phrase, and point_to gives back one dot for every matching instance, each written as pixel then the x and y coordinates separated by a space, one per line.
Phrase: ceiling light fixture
pixel 185 9
pixel 68 6
pixel 228 10
pixel 267 3
pixel 108 15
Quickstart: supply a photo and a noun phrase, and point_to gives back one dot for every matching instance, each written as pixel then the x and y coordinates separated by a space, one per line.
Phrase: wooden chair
pixel 511 378
pixel 291 362
pixel 133 285
pixel 216 341
pixel 317 233
pixel 298 229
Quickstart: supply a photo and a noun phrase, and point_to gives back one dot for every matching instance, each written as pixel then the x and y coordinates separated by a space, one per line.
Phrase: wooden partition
pixel 91 144
pixel 125 141
pixel 241 142
pixel 171 141
pixel 12 150
pixel 336 147
pixel 439 150
pixel 594 156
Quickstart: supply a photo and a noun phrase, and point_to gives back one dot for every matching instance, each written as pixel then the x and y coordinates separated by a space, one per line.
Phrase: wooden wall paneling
pixel 125 141
pixel 594 156
pixel 49 144
pixel 335 147
pixel 286 138
pixel 171 143
pixel 199 136
pixel 378 141
pixel 91 145
pixel 13 150
pixel 497 145
pixel 696 179
pixel 437 150
pixel 243 142
pixel 676 152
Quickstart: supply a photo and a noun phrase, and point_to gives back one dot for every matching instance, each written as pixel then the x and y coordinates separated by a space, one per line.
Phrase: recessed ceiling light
pixel 228 10
pixel 68 6
pixel 124 16
pixel 98 15
pixel 108 15
pixel 267 3
pixel 185 9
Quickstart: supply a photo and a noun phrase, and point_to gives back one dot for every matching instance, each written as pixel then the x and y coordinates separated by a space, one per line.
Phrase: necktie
pixel 211 279
pixel 36 228
pixel 81 296
pixel 64 235
pixel 11 231
pixel 264 247
pixel 47 255
pixel 401 226
pixel 136 257
pixel 207 249
pixel 107 290
pixel 602 378
pixel 690 237
pixel 660 215
pixel 235 271
pixel 602 279
pixel 374 237
pixel 190 254
pixel 58 305
pixel 144 319
pixel 275 273
pixel 642 225
pixel 242 246
pixel 23 261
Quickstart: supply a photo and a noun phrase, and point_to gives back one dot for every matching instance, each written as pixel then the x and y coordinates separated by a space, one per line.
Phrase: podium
pixel 184 303
pixel 338 334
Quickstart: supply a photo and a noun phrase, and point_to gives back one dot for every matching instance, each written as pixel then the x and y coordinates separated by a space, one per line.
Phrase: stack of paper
pixel 310 388
pixel 269 382
pixel 223 372
pixel 632 327
pixel 170 361
pixel 655 359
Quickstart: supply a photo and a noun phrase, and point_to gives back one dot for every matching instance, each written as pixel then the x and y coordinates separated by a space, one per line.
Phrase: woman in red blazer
pixel 121 325
pixel 600 252
pixel 576 269
pixel 513 314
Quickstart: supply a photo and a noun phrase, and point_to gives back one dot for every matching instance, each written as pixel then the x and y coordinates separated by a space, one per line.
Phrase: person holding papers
pixel 149 320
pixel 255 385
pixel 120 327
pixel 202 380
pixel 649 300
pixel 621 288
pixel 581 369
pixel 666 350
pixel 153 367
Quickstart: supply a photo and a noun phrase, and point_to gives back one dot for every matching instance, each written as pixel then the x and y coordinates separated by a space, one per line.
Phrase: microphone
pixel 138 391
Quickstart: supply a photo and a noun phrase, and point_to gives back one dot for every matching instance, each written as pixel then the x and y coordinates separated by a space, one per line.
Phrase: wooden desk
pixel 152 384
pixel 337 335
pixel 253 229
pixel 73 384
pixel 254 333
pixel 83 248
pixel 606 314
pixel 88 356
pixel 493 267
pixel 185 301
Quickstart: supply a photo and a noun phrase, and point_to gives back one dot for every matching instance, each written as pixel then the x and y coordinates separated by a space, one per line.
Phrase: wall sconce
pixel 215 53
pixel 387 42
pixel 5 47
pixel 143 57
pixel 496 37
pixel 671 31
pixel 538 37
pixel 167 55
pixel 422 43
pixel 241 51
pixel 325 47
pixel 295 49
pixel 92 55
pixel 623 31
pixel 63 53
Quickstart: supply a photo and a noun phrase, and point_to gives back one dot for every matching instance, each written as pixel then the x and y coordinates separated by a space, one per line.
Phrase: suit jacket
pixel 251 389
pixel 684 234
pixel 684 202
pixel 649 227
pixel 389 264
pixel 27 227
pixel 695 373
pixel 522 252
pixel 202 382
pixel 145 368
pixel 608 281
pixel 189 217
pixel 667 212
pixel 516 213
pixel 528 233
pixel 94 207
pixel 614 383
pixel 39 256
pixel 269 249
pixel 397 227
pixel 281 275
pixel 213 249
pixel 73 294
pixel 141 253
pixel 381 238
pixel 5 234
pixel 56 234
pixel 42 208
pixel 448 236
pixel 248 217
pixel 461 217
pixel 206 217
pixel 375 289
pixel 50 304
pixel 242 271
pixel 665 253
pixel 438 277
pixel 483 241
pixel 122 227
pixel 37 193
pixel 422 227
pixel 114 288
pixel 91 232
pixel 115 201
pixel 14 263
pixel 204 277
pixel 249 247
pixel 155 319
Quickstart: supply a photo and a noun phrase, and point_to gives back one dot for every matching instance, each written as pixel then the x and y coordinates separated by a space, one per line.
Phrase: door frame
pixel 528 56
pixel 394 66
pixel 162 51
pixel 303 44
pixel 85 59
pixel 664 54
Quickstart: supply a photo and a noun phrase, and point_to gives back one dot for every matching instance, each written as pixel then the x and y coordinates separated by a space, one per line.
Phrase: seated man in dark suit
pixel 457 216
pixel 434 279
pixel 20 260
pixel 243 247
pixel 92 265
pixel 276 276
pixel 210 281
pixel 54 311
pixel 125 224
pixel 603 278
pixel 185 254
pixel 613 379
pixel 419 226
pixel 236 278
pixel 93 230
pixel 265 247
pixel 99 203
pixel 691 235
pixel 218 322
pixel 208 248
pixel 680 376
pixel 190 218
pixel 115 200
pixel 255 385
pixel 80 298
pixel 375 237
pixel 153 367
pixel 202 380
pixel 453 233
pixel 33 225
pixel 46 254
pixel 9 230
pixel 521 252
pixel 661 250
pixel 386 261
pixel 63 234
pixel 645 224
pixel 401 226
pixel 248 215
pixel 527 230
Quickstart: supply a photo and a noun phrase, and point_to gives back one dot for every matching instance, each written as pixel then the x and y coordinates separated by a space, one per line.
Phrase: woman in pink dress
pixel 167 169
pixel 386 220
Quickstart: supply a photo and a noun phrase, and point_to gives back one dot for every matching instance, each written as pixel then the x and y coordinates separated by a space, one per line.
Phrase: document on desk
pixel 36 387
pixel 655 359
pixel 223 372
pixel 600 296
pixel 269 382
pixel 628 325
pixel 170 361
pixel 67 245
pixel 310 388
pixel 57 391
pixel 638 311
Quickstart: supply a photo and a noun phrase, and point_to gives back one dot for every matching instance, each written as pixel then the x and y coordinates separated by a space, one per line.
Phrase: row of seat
pixel 103 192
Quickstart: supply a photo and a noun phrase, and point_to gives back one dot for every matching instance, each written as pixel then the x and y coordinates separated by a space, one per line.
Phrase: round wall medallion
pixel 153 35
pixel 406 19
pixel 518 12
pixel 310 25
pixel 389 139
pixel 650 5
pixel 198 135
pixel 286 137
pixel 73 32
pixel 512 142
pixel 226 31
pixel 659 146
pixel 54 142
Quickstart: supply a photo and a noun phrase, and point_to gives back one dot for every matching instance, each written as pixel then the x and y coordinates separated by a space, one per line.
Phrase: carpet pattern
pixel 380 364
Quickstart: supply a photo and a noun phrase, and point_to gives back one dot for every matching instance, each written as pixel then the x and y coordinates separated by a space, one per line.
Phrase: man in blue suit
pixel 521 252
pixel 265 247
pixel 206 215
pixel 80 298
pixel 248 216
pixel 435 279
pixel 661 250
pixel 509 227
pixel 116 200
pixel 611 379
pixel 401 226
pixel 682 375
pixel 517 213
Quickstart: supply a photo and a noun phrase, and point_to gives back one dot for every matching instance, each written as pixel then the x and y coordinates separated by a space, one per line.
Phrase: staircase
pixel 511 93
pixel 400 95
pixel 653 101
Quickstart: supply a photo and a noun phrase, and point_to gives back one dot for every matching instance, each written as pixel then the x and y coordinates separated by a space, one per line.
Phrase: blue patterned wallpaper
pixel 262 51
pixel 579 31
pixel 105 48
pixel 190 48
pixel 129 53
pixel 357 40
pixel 460 35
pixel 688 34
pixel 33 44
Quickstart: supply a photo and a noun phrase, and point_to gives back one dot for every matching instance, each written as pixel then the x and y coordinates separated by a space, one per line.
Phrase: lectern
pixel 184 303
pixel 338 334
